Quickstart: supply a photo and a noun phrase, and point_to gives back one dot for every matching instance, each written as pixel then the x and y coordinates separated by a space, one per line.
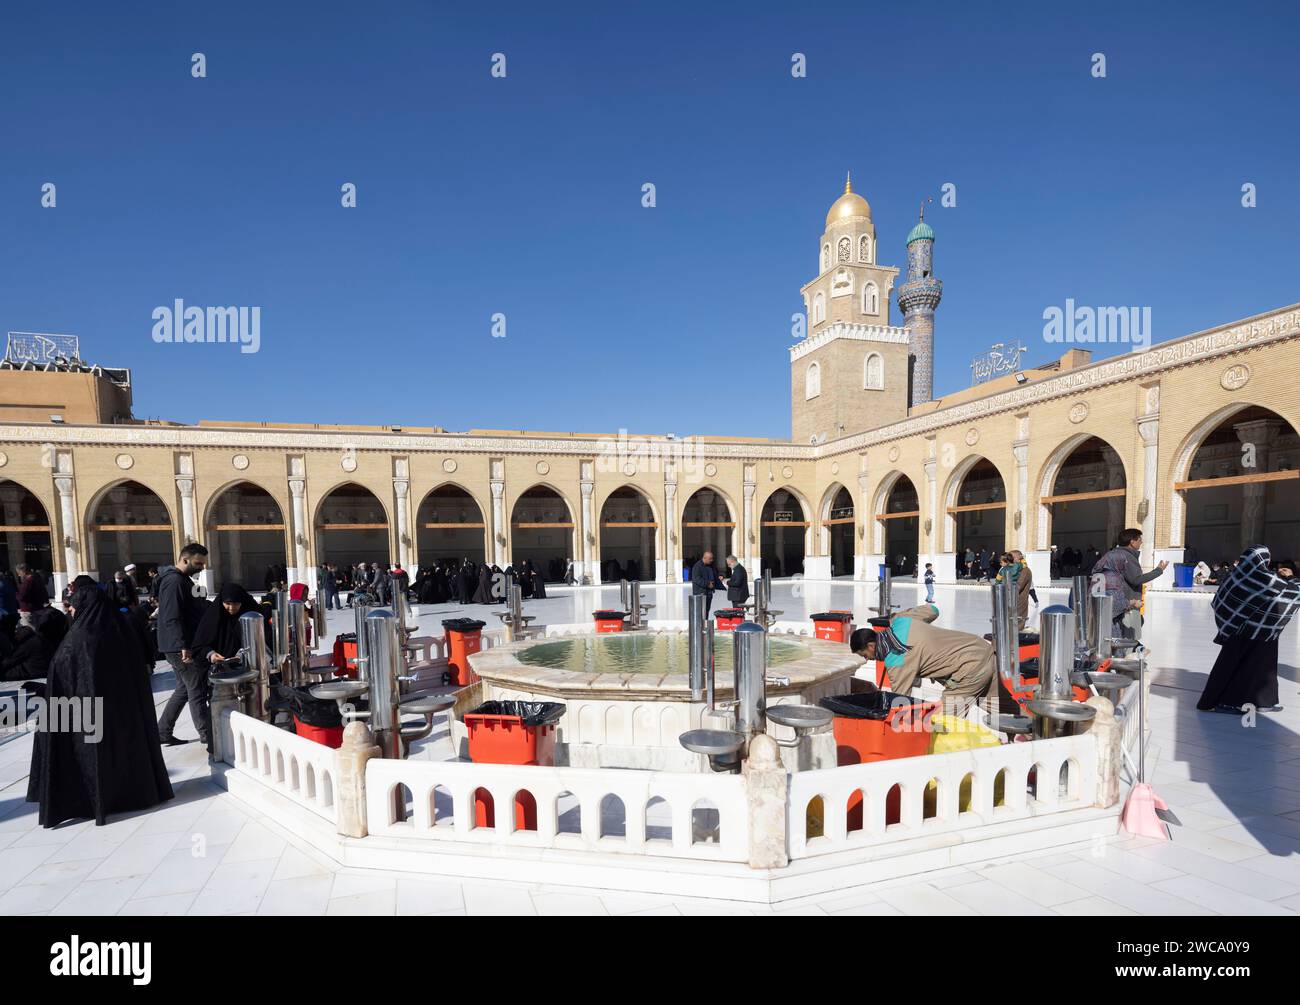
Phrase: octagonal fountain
pixel 628 695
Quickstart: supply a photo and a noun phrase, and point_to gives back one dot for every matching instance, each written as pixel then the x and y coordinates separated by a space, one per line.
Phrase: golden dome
pixel 850 204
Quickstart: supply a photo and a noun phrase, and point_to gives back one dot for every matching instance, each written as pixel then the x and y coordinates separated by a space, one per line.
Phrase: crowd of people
pixel 103 641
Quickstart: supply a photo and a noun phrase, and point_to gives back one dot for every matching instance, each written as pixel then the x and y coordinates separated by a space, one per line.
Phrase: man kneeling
pixel 912 647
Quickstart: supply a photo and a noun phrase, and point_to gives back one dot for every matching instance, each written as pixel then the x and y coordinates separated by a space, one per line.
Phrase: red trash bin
pixel 727 618
pixel 330 736
pixel 833 626
pixel 464 638
pixel 609 621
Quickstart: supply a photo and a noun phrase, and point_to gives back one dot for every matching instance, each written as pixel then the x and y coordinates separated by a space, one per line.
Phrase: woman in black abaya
pixel 218 636
pixel 117 766
pixel 1251 609
pixel 483 595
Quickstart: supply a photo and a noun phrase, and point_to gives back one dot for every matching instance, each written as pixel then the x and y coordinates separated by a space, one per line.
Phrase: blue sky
pixel 522 195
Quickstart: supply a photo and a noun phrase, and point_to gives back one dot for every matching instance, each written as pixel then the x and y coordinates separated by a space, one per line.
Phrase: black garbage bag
pixel 298 702
pixel 1029 667
pixel 1026 638
pixel 841 616
pixel 533 713
pixel 867 705
pixel 463 624
pixel 729 612
pixel 609 615
pixel 878 622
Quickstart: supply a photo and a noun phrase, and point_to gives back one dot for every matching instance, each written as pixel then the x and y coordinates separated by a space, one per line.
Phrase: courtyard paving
pixel 1235 792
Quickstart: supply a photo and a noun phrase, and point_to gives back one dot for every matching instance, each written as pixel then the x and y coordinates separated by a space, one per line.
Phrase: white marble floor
pixel 1235 791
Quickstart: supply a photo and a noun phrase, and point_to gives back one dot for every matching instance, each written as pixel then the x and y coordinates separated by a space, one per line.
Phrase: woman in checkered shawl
pixel 1251 609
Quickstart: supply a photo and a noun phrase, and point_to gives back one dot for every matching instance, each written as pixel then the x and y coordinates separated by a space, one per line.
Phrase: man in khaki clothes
pixel 913 647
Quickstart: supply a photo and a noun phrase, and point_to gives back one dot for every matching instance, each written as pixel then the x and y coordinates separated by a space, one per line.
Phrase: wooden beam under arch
pixel 1214 483
pixel 973 507
pixel 1081 496
pixel 898 516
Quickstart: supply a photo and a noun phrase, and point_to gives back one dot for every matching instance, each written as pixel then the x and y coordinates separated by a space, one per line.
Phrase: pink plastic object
pixel 1139 816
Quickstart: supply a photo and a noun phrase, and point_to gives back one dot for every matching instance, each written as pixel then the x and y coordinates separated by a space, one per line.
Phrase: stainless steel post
pixel 695 644
pixel 622 594
pixel 252 633
pixel 400 610
pixel 1056 660
pixel 299 650
pixel 319 620
pixel 359 614
pixel 1099 626
pixel 515 614
pixel 1006 637
pixel 280 622
pixel 885 598
pixel 383 669
pixel 750 642
pixel 634 601
pixel 708 661
pixel 1079 604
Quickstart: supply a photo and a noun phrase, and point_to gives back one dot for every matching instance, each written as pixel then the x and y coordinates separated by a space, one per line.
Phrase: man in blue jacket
pixel 181 604
pixel 704 579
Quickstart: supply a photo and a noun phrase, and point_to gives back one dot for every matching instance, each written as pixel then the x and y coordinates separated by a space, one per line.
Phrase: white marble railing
pixel 963 795
pixel 302 770
pixel 600 809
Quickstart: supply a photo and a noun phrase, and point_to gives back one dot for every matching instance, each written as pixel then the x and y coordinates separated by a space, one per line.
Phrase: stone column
pixel 864 523
pixel 1149 432
pixel 1261 435
pixel 496 556
pixel 350 795
pixel 298 531
pixel 592 572
pixel 1020 518
pixel 66 531
pixel 1109 736
pixel 750 532
pixel 401 492
pixel 765 792
pixel 672 544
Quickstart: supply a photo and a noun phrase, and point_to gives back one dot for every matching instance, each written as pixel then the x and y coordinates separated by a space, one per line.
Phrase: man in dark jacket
pixel 32 595
pixel 1121 570
pixel 180 606
pixel 737 582
pixel 704 579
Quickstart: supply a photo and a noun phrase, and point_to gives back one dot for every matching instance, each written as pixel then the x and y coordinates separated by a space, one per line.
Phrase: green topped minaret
pixel 917 299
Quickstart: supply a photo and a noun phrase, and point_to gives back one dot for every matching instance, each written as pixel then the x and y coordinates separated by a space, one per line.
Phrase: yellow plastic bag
pixel 952 733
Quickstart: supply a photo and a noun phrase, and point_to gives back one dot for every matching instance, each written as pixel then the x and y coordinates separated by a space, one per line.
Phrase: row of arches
pixel 1240 485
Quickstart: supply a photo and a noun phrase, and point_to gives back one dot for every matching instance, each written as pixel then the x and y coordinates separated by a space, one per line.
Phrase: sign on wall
pixel 1000 360
pixel 33 347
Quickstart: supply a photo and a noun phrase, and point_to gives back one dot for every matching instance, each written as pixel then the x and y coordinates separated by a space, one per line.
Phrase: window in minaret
pixel 812 382
pixel 819 308
pixel 873 372
pixel 845 247
pixel 864 249
pixel 826 257
pixel 870 299
pixel 842 284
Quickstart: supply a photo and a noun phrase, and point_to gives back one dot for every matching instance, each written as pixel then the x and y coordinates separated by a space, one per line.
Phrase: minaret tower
pixel 917 298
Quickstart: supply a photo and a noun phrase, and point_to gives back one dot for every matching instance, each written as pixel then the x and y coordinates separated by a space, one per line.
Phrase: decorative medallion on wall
pixel 894 454
pixel 972 437
pixel 449 465
pixel 710 470
pixel 835 468
pixel 4 459
pixel 787 472
pixel 1235 377
pixel 125 461
pixel 629 469
pixel 239 462
pixel 1078 412
pixel 348 462
pixel 543 468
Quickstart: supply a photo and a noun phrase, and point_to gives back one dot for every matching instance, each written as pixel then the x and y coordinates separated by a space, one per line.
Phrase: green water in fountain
pixel 636 652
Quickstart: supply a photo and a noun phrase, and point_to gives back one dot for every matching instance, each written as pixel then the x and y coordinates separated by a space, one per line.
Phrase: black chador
pixel 113 763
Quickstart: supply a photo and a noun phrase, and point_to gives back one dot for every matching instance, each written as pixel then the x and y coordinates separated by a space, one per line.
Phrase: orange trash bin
pixel 609 621
pixel 833 626
pixel 464 638
pixel 727 618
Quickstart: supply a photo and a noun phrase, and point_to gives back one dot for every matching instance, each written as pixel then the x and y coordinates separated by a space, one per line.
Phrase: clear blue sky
pixel 523 196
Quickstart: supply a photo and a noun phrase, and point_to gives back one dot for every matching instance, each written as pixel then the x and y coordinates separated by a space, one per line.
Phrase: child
pixel 929 583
